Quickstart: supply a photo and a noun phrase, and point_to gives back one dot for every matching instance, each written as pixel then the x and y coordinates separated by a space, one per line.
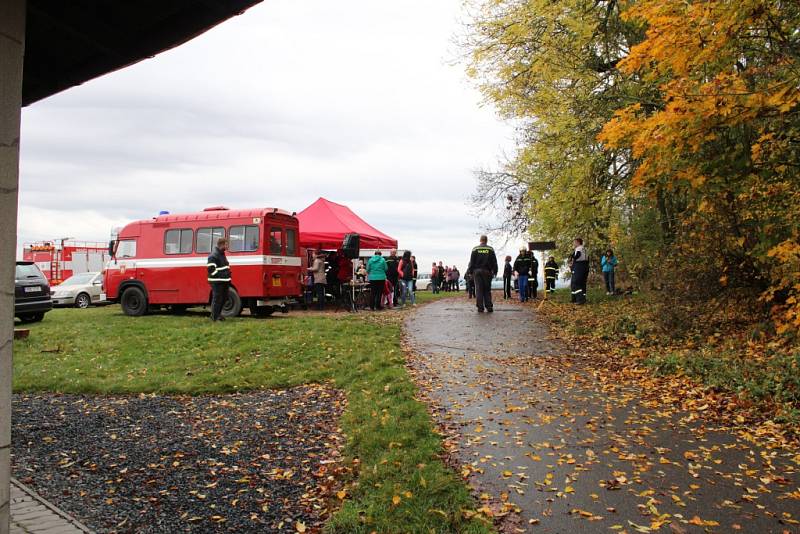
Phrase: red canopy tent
pixel 324 224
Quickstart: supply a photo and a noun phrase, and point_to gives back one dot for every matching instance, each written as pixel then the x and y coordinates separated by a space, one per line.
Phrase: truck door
pixel 277 277
pixel 165 281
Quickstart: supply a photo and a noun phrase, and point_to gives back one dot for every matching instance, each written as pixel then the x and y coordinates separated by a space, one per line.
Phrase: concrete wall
pixel 12 43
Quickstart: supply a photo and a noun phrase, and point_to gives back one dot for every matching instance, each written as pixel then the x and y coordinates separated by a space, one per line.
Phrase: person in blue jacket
pixel 608 262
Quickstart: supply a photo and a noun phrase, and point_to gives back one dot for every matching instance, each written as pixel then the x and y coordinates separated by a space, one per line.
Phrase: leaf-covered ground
pixel 723 356
pixel 398 484
pixel 262 461
pixel 563 437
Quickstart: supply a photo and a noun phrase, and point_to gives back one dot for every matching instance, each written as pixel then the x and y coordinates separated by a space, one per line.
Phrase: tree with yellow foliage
pixel 724 135
pixel 668 128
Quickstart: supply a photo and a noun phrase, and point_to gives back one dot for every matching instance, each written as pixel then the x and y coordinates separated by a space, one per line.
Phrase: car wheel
pixel 31 317
pixel 134 302
pixel 233 304
pixel 82 301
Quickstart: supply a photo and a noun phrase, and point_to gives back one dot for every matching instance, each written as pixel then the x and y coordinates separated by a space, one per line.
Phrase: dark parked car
pixel 31 293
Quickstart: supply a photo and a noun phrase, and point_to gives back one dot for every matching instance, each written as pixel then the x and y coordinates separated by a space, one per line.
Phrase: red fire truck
pixel 162 261
pixel 61 258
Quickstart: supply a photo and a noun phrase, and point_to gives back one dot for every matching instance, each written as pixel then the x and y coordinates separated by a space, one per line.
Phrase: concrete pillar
pixel 12 45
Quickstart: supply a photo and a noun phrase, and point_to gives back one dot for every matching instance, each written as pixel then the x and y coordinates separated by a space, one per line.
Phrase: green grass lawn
pixel 102 351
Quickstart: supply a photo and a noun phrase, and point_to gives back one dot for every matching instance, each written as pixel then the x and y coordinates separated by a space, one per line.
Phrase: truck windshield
pixel 126 248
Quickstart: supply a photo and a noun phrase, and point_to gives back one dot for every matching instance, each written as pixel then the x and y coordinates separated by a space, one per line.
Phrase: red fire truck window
pixel 243 238
pixel 275 239
pixel 207 238
pixel 178 241
pixel 291 242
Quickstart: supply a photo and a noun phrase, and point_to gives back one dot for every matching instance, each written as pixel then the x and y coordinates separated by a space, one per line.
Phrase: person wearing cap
pixel 522 266
pixel 483 266
pixel 219 277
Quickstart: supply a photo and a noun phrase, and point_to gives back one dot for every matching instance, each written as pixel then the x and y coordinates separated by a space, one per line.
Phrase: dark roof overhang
pixel 70 42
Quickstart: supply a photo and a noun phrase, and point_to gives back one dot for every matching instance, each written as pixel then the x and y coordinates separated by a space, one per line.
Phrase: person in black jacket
pixel 406 270
pixel 416 271
pixel 219 276
pixel 580 272
pixel 550 274
pixel 392 263
pixel 507 271
pixel 483 266
pixel 522 266
pixel 533 280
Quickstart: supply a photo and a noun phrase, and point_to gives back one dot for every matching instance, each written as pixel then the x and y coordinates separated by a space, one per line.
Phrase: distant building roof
pixel 70 42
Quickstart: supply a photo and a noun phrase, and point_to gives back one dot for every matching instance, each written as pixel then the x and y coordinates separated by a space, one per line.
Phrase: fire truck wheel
pixel 82 301
pixel 261 311
pixel 233 306
pixel 134 302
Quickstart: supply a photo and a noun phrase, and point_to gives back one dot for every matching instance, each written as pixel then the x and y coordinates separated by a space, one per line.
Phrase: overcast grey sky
pixel 357 101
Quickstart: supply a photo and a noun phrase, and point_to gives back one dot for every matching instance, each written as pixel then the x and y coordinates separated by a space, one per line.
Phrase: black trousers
pixel 483 289
pixel 376 290
pixel 580 274
pixel 506 287
pixel 319 291
pixel 219 294
pixel 550 284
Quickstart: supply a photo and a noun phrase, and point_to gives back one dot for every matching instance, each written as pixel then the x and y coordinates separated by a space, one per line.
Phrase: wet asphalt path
pixel 538 433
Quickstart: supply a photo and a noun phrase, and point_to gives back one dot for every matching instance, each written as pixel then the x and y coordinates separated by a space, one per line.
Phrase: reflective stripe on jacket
pixel 218 268
pixel 483 258
pixel 550 270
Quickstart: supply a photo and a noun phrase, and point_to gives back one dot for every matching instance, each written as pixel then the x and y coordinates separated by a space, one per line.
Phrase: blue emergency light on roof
pixel 163 212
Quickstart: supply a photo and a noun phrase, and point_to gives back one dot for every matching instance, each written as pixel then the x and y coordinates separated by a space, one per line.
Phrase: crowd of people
pixel 392 280
pixel 444 278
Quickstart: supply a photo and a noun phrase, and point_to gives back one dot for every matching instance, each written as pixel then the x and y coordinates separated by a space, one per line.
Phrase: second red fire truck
pixel 161 262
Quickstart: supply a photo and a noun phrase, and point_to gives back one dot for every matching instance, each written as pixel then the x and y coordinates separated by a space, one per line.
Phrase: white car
pixel 80 290
pixel 423 281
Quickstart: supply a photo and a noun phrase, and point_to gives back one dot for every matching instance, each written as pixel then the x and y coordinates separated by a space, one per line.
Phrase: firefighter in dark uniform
pixel 580 273
pixel 219 276
pixel 550 274
pixel 483 266
pixel 533 281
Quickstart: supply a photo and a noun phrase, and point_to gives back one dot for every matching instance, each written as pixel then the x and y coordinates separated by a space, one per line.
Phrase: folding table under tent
pixel 324 224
